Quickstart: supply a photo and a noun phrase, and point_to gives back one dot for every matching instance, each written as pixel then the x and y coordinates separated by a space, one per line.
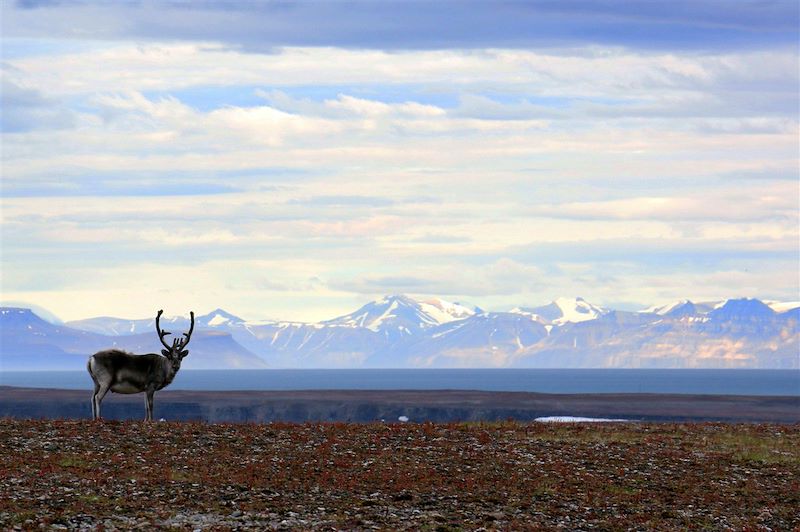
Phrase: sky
pixel 294 160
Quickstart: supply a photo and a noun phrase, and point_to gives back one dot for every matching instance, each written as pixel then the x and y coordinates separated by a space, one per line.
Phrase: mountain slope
pixel 28 343
pixel 208 349
pixel 483 340
pixel 305 345
pixel 737 334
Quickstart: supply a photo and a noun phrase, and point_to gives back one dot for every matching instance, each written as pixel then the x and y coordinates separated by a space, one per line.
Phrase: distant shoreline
pixel 765 382
pixel 389 405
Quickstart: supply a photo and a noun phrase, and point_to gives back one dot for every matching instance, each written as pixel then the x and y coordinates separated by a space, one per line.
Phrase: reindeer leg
pixel 98 399
pixel 148 405
pixel 94 404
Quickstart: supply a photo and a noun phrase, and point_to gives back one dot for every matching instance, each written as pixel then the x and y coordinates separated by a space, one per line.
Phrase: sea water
pixel 681 381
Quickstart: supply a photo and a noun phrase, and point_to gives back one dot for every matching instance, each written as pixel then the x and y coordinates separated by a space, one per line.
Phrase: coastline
pixel 389 405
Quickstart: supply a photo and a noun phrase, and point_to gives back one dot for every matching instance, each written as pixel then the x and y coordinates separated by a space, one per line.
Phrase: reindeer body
pixel 136 373
pixel 123 372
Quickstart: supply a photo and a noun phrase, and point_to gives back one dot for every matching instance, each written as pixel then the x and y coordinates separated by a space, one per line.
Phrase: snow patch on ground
pixel 665 309
pixel 782 306
pixel 444 311
pixel 576 310
pixel 375 325
pixel 218 319
pixel 576 419
pixel 528 314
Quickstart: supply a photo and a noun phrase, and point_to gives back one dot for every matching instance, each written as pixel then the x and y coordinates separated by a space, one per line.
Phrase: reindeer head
pixel 177 350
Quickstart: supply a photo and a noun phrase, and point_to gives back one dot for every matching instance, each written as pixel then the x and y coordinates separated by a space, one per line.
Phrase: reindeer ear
pixel 184 353
pixel 165 352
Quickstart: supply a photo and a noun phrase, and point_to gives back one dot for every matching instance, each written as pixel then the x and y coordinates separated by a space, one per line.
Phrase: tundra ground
pixel 502 475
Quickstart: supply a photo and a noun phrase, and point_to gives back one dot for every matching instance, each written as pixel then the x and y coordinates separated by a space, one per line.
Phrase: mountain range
pixel 401 331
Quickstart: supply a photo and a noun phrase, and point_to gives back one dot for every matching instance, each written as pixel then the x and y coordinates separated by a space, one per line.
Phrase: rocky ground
pixel 503 475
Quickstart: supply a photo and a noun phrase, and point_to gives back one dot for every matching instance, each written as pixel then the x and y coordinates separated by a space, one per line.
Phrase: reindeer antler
pixel 161 333
pixel 177 343
pixel 188 335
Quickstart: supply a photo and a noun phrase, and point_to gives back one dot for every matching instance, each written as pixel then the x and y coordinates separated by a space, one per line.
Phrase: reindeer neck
pixel 169 372
pixel 170 375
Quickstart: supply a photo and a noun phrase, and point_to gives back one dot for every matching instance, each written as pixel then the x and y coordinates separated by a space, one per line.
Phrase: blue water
pixel 694 381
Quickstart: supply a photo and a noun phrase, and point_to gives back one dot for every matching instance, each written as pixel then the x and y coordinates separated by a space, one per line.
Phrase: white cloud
pixel 502 277
pixel 776 201
pixel 611 73
pixel 516 148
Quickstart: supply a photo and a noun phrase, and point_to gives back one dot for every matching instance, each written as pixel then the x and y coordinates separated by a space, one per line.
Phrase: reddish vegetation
pixel 509 475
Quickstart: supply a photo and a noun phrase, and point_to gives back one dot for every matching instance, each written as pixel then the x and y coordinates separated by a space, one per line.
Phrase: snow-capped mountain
pixel 736 333
pixel 683 307
pixel 739 310
pixel 354 339
pixel 39 311
pixel 445 311
pixel 401 331
pixel 563 310
pixel 120 326
pixel 217 318
pixel 400 316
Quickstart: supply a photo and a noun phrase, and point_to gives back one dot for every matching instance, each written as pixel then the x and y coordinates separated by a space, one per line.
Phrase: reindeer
pixel 123 372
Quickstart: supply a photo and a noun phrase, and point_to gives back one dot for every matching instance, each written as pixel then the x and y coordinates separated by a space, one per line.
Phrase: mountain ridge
pixel 702 307
pixel 401 331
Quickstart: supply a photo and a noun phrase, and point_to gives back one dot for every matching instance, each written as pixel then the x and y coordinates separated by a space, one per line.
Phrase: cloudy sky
pixel 296 159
